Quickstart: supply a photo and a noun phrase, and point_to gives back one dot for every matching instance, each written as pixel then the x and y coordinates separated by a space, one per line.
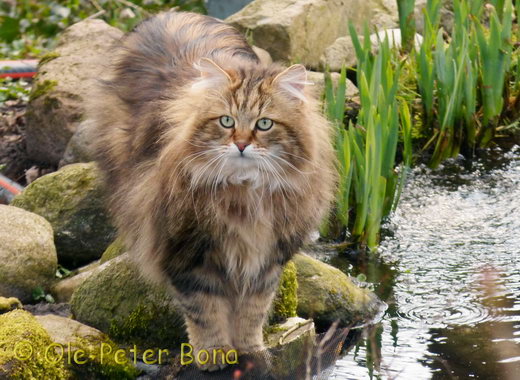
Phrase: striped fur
pixel 215 225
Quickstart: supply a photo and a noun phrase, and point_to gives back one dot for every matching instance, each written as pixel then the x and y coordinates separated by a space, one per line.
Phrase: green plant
pixel 28 27
pixel 366 151
pixel 406 23
pixel 12 90
pixel 463 78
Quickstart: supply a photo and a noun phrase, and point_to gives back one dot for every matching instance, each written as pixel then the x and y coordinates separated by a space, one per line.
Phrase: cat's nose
pixel 241 145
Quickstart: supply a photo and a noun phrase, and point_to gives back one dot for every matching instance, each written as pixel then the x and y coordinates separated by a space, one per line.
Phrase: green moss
pixel 102 362
pixel 145 327
pixel 118 301
pixel 47 58
pixel 42 88
pixel 115 249
pixel 286 299
pixel 21 334
pixel 8 304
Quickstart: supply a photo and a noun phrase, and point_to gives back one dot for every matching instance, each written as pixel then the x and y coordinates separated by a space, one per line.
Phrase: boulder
pixel 118 301
pixel 27 254
pixel 72 200
pixel 64 78
pixel 326 294
pixel 24 344
pixel 84 343
pixel 342 51
pixel 300 30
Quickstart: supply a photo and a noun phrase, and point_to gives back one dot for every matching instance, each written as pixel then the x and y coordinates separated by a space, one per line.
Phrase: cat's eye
pixel 264 124
pixel 227 121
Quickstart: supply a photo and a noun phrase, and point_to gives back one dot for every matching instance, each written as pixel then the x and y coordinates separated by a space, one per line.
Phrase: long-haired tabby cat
pixel 218 168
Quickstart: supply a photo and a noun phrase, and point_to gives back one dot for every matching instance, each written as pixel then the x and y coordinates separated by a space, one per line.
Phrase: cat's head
pixel 253 125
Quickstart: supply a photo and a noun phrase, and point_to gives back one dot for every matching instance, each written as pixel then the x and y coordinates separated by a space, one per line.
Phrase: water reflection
pixel 450 272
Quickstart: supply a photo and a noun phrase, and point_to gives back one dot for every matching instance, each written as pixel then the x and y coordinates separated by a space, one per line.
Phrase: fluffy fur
pixel 214 223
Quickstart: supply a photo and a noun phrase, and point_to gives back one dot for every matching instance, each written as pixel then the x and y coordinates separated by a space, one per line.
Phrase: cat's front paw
pixel 215 358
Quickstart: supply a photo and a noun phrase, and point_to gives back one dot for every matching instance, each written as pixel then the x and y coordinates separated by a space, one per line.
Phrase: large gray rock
pixel 64 79
pixel 72 200
pixel 27 254
pixel 300 30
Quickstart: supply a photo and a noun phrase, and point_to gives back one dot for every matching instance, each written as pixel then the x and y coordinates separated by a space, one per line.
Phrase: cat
pixel 218 168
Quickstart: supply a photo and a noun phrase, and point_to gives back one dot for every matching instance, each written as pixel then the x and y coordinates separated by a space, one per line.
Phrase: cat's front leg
pixel 249 318
pixel 207 322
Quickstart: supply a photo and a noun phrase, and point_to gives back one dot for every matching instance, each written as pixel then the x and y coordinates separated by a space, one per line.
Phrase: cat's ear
pixel 293 81
pixel 211 74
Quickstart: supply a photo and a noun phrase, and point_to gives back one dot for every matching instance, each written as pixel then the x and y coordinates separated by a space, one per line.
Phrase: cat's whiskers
pixel 303 175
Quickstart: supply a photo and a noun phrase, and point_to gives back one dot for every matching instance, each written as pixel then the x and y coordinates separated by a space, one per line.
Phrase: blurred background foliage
pixel 28 27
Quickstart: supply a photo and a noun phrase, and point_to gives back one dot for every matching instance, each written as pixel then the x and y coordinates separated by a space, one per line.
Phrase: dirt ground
pixel 14 162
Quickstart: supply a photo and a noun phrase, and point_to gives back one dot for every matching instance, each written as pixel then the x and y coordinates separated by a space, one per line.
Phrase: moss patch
pixel 286 299
pixel 114 250
pixel 42 88
pixel 102 362
pixel 47 58
pixel 118 301
pixel 8 304
pixel 21 334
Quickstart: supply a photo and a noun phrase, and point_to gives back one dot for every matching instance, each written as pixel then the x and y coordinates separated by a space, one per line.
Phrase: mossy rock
pixel 95 352
pixel 72 200
pixel 27 254
pixel 326 294
pixel 24 342
pixel 117 301
pixel 286 300
pixel 114 250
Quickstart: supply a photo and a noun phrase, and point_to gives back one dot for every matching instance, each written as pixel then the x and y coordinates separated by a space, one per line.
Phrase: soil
pixel 14 161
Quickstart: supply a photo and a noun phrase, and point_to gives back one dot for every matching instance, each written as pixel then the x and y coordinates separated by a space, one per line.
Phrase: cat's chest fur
pixel 248 236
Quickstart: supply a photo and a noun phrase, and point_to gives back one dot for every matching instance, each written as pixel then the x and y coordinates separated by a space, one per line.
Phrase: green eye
pixel 227 121
pixel 264 124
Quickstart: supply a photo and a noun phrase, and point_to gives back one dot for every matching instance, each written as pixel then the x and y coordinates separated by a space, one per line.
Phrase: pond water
pixel 449 270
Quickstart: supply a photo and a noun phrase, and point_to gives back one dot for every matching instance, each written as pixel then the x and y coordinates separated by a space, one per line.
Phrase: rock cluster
pixel 60 219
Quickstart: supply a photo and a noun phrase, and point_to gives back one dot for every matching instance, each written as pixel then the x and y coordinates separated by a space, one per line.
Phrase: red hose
pixel 25 68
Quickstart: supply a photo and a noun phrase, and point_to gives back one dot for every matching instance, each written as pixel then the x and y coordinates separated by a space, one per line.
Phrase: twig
pixel 96 15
